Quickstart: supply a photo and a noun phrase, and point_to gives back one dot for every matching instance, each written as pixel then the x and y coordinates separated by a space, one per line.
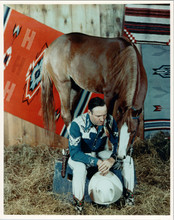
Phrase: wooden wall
pixel 104 20
pixel 96 19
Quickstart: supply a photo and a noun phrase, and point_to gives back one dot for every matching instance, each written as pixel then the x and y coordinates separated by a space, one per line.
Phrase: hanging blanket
pixel 156 59
pixel 147 23
pixel 25 41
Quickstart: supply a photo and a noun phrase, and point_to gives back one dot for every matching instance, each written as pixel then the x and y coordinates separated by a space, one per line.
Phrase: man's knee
pixel 78 168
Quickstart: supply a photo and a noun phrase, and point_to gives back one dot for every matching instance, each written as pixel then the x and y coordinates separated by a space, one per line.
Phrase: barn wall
pixel 100 20
pixel 104 20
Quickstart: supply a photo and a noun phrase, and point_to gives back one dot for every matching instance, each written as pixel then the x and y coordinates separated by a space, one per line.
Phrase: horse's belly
pixel 88 75
pixel 90 82
pixel 97 88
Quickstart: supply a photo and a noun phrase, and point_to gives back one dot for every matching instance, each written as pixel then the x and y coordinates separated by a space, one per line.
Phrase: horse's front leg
pixel 64 89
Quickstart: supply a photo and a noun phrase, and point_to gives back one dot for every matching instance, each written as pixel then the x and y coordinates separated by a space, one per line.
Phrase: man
pixel 88 136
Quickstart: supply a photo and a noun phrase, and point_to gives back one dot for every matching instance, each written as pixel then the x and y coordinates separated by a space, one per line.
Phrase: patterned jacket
pixel 84 138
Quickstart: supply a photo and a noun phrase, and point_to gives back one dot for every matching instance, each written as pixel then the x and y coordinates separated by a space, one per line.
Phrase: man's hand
pixel 99 162
pixel 105 165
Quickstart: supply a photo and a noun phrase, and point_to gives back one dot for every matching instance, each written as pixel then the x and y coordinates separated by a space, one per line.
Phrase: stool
pixel 63 186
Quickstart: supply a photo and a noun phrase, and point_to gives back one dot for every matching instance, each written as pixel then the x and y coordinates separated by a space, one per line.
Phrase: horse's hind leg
pixel 64 89
pixel 74 96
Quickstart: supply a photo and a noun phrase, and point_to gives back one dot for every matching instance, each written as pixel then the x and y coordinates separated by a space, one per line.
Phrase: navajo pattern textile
pixel 147 23
pixel 25 41
pixel 156 59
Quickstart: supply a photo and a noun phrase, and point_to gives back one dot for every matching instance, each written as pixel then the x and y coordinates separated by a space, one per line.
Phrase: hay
pixel 28 178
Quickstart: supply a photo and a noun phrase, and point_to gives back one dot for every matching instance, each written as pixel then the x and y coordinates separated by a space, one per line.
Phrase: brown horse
pixel 111 66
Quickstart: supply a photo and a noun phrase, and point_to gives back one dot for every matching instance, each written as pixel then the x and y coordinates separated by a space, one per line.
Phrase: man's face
pixel 98 115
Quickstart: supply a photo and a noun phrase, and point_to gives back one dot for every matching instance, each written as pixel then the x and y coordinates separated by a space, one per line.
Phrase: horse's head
pixel 128 121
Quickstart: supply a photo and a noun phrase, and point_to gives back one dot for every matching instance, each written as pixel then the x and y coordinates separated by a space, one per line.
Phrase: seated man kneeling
pixel 88 134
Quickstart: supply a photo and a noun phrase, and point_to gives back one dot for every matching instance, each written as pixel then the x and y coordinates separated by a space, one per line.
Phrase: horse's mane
pixel 123 75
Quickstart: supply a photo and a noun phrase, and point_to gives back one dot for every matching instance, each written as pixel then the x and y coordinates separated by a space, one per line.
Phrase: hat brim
pixel 98 178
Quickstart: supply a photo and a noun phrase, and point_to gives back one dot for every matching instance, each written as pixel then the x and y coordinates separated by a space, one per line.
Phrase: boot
pixel 129 198
pixel 79 205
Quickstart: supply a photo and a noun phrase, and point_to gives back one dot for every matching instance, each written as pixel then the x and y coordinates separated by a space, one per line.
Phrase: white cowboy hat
pixel 106 189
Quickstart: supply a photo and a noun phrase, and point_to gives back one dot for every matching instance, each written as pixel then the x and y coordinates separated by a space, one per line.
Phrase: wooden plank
pixel 49 14
pixel 22 8
pixel 60 142
pixel 12 129
pixel 18 131
pixel 61 18
pixel 92 14
pixel 78 18
pixel 118 17
pixel 38 12
pixel 11 6
pixel 40 135
pixel 104 14
pixel 6 132
pixel 110 20
pixel 28 134
pixel 49 138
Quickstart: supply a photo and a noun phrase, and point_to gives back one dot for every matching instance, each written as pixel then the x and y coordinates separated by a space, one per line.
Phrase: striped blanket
pixel 147 23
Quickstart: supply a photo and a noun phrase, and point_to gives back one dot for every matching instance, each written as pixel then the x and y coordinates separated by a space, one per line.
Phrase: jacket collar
pixel 89 124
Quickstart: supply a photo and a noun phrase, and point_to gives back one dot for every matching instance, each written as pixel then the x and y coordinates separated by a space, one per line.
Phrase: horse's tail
pixel 47 98
pixel 141 88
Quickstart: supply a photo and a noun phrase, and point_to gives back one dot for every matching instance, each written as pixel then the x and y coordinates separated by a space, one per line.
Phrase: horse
pixel 109 66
